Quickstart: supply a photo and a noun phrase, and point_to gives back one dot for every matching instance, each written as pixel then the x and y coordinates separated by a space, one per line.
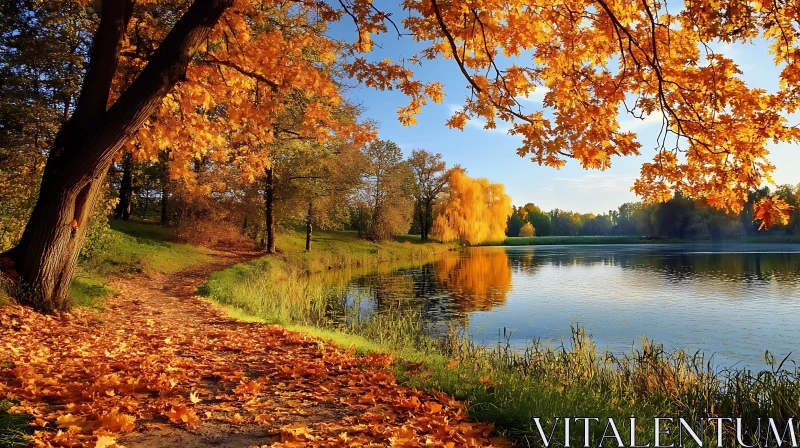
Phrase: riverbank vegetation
pixel 503 384
pixel 567 240
pixel 294 286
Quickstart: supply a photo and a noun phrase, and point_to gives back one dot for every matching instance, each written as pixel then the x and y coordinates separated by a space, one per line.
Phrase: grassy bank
pixel 126 248
pixel 129 248
pixel 566 240
pixel 502 385
pixel 295 286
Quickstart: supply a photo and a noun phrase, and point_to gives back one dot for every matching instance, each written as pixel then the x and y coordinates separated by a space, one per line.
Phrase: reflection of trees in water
pixel 477 281
pixel 669 263
pixel 442 292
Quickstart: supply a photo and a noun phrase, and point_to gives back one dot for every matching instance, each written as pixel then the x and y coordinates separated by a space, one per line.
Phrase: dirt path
pixel 162 367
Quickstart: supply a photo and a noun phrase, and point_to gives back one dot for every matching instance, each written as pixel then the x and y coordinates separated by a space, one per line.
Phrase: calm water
pixel 733 301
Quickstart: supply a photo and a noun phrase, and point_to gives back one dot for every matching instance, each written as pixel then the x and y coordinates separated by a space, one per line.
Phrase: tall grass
pixel 297 287
pixel 504 384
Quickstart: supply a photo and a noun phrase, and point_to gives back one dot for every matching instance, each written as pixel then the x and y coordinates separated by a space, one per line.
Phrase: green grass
pixel 130 248
pixel 295 286
pixel 13 427
pixel 508 387
pixel 560 240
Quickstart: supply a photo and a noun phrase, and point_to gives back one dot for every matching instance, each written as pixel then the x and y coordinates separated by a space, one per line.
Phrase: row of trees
pixel 371 189
pixel 218 82
pixel 679 217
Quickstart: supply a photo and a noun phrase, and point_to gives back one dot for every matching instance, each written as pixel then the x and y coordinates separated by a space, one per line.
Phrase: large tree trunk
pixel 269 208
pixel 123 210
pixel 48 250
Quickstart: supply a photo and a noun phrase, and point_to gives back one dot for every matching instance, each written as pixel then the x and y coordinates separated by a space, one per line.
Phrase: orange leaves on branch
pixel 605 66
pixel 772 211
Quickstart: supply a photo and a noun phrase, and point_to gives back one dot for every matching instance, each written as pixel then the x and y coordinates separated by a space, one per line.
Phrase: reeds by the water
pixel 510 385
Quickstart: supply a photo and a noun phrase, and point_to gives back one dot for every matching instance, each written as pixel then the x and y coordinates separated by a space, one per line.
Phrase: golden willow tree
pixel 472 210
pixel 595 57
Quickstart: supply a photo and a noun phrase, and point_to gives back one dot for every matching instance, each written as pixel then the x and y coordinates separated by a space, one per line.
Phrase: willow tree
pixel 472 210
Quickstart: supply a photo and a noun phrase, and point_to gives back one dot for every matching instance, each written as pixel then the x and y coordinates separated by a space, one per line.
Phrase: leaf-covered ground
pixel 161 367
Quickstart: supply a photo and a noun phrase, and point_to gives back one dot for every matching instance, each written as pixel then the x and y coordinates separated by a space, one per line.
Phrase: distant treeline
pixel 680 217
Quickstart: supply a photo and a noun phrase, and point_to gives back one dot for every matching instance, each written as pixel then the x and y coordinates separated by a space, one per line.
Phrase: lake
pixel 732 301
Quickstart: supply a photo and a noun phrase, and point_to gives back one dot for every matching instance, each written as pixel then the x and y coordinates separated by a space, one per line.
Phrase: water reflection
pixel 476 281
pixel 734 301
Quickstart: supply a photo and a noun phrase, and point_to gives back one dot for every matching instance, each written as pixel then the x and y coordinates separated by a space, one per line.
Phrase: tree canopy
pixel 214 87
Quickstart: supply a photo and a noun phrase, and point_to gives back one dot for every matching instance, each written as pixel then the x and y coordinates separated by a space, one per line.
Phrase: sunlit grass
pixel 502 384
pixel 131 248
pixel 295 286
pixel 13 427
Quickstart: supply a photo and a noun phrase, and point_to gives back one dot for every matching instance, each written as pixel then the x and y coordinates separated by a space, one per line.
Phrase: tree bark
pixel 269 207
pixel 421 218
pixel 82 151
pixel 163 160
pixel 428 224
pixel 308 225
pixel 123 210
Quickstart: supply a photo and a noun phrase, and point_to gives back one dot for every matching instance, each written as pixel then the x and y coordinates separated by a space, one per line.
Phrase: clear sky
pixel 492 153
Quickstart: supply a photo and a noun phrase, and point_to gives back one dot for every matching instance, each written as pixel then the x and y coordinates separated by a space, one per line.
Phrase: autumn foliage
pixel 154 362
pixel 472 210
pixel 480 280
pixel 592 59
pixel 527 230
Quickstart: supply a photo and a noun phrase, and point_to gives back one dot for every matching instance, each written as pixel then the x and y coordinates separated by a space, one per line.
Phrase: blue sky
pixel 492 153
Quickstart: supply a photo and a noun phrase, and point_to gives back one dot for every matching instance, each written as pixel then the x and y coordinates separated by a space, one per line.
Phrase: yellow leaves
pixel 296 433
pixel 434 92
pixel 772 211
pixel 458 121
pixel 474 210
pixel 182 415
pixel 105 442
pixel 67 421
pixel 194 398
pixel 114 421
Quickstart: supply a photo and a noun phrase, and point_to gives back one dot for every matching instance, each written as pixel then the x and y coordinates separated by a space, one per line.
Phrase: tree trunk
pixel 163 160
pixel 123 210
pixel 269 207
pixel 421 219
pixel 428 224
pixel 308 225
pixel 83 149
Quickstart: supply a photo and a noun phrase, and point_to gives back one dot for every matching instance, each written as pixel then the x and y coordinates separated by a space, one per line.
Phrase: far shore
pixel 572 240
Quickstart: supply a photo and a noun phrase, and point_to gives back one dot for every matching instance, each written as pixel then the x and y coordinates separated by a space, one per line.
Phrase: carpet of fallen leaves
pixel 159 359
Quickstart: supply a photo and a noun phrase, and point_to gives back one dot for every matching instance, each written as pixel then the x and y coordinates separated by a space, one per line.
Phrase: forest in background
pixel 679 217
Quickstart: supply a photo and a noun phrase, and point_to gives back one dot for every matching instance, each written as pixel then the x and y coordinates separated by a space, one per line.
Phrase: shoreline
pixel 605 240
pixel 502 385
